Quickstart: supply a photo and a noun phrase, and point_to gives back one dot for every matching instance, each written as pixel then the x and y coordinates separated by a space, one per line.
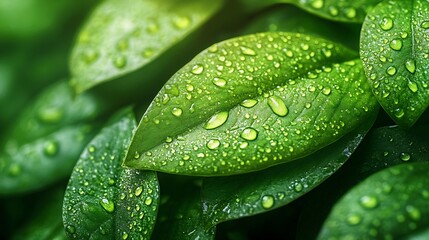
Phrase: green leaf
pixel 252 102
pixel 47 139
pixel 393 203
pixel 337 10
pixel 395 55
pixel 180 213
pixel 45 222
pixel 104 199
pixel 123 36
pixel 235 197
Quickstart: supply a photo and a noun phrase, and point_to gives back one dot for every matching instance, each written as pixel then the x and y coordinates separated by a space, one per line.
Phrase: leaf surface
pixel 395 55
pixel 235 197
pixel 47 138
pixel 337 10
pixel 393 203
pixel 123 36
pixel 251 102
pixel 103 199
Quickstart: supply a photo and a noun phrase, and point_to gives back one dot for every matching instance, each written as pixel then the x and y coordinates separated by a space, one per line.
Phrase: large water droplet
pixel 425 25
pixel 248 51
pixel 278 106
pixel 177 112
pixel 326 91
pixel 108 205
pixel 413 86
pixel 216 120
pixel 219 82
pixel 249 103
pixel 124 236
pixel 333 11
pixel 51 148
pixel 410 65
pixel 249 134
pixel 197 69
pixel 354 219
pixel 399 113
pixel 405 157
pixel 182 22
pixel 396 44
pixel 386 23
pixel 71 229
pixel 317 4
pixel 138 191
pixel 148 201
pixel 391 70
pixel 350 12
pixel 267 201
pixel 368 201
pixel 213 144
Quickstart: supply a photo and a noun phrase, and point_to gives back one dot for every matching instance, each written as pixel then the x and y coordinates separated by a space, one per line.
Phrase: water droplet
pixel 136 155
pixel 317 4
pixel 122 45
pixel 124 235
pixel 177 112
pixel 298 187
pixel 91 149
pixel 249 103
pixel 368 201
pixel 410 65
pixel 333 11
pixel 396 44
pixel 216 120
pixel 148 52
pixel 249 134
pixel 354 219
pixel 413 86
pixel 213 48
pixel 248 51
pixel 350 12
pixel 50 115
pixel 267 201
pixel 182 22
pixel 425 24
pixel 219 82
pixel 213 144
pixel 327 52
pixel 386 23
pixel 391 70
pixel 148 201
pixel 120 62
pixel 405 157
pixel 277 106
pixel 90 56
pixel 413 212
pixel 197 69
pixel 189 87
pixel 326 91
pixel 108 205
pixel 71 229
pixel 399 113
pixel 51 148
pixel 138 191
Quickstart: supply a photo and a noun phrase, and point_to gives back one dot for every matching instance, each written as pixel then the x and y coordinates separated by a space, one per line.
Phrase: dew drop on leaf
pixel 278 106
pixel 108 205
pixel 51 148
pixel 326 91
pixel 249 103
pixel 148 201
pixel 182 22
pixel 386 23
pixel 249 134
pixel 197 69
pixel 354 219
pixel 120 62
pixel 405 157
pixel 413 86
pixel 138 191
pixel 410 65
pixel 350 12
pixel 50 115
pixel 396 44
pixel 267 201
pixel 425 25
pixel 317 4
pixel 216 120
pixel 219 82
pixel 213 144
pixel 368 202
pixel 248 51
pixel 177 112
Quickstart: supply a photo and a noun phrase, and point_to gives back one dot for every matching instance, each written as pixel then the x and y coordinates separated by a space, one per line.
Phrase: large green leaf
pixel 338 10
pixel 235 197
pixel 394 51
pixel 46 140
pixel 390 204
pixel 180 213
pixel 252 102
pixel 124 35
pixel 103 200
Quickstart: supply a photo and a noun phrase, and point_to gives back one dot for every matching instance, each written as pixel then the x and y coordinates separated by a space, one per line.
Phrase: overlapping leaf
pixel 394 51
pixel 393 203
pixel 104 199
pixel 338 10
pixel 252 102
pixel 122 36
pixel 47 139
pixel 234 197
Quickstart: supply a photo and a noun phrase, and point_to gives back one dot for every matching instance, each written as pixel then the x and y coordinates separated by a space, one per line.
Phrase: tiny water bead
pixel 177 112
pixel 396 44
pixel 216 120
pixel 248 51
pixel 354 219
pixel 405 157
pixel 120 62
pixel 197 69
pixel 249 103
pixel 386 23
pixel 425 24
pixel 391 70
pixel 182 22
pixel 267 201
pixel 368 201
pixel 51 148
pixel 249 134
pixel 108 205
pixel 410 65
pixel 278 106
pixel 213 144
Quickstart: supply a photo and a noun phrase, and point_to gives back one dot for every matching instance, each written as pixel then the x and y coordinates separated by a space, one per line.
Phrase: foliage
pixel 204 119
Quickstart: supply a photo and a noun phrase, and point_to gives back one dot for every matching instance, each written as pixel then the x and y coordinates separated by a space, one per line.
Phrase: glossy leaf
pixel 46 222
pixel 123 36
pixel 47 139
pixel 393 203
pixel 395 55
pixel 180 213
pixel 235 197
pixel 337 10
pixel 252 102
pixel 104 199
